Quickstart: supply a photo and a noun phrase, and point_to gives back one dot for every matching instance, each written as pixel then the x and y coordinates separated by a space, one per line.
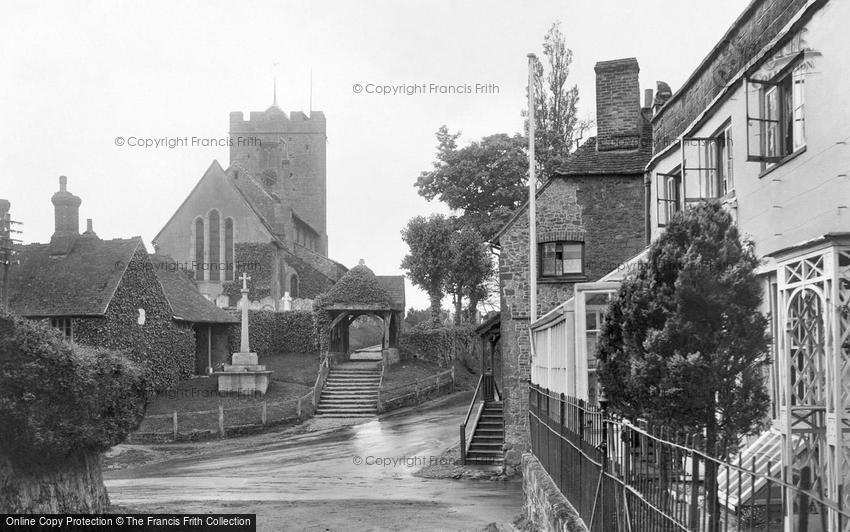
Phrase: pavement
pixel 327 477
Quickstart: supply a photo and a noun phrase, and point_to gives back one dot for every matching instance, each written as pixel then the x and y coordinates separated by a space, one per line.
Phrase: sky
pixel 75 75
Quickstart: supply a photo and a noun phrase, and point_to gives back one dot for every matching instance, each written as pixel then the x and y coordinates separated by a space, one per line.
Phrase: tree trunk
pixel 712 502
pixel 74 485
pixel 436 308
pixel 472 311
pixel 458 301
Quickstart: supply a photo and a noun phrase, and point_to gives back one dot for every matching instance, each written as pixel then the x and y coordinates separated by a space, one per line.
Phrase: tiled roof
pixel 394 286
pixel 79 283
pixel 587 160
pixel 187 303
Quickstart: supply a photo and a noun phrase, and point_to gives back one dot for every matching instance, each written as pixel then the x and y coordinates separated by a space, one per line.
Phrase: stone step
pixel 344 394
pixel 347 411
pixel 370 381
pixel 346 404
pixel 358 387
pixel 485 445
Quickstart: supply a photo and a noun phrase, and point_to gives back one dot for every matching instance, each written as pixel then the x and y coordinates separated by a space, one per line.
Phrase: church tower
pixel 286 154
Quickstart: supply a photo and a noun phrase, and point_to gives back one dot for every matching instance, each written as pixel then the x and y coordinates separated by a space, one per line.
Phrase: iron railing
pixel 623 477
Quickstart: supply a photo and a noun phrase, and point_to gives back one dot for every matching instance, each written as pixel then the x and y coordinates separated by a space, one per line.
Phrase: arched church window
pixel 215 246
pixel 293 286
pixel 228 249
pixel 199 249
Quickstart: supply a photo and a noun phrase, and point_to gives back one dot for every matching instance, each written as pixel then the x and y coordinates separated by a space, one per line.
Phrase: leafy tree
pixel 486 179
pixel 556 119
pixel 429 262
pixel 471 268
pixel 683 344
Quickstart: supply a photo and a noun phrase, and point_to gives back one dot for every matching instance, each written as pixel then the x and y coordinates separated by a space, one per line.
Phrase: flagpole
pixel 532 203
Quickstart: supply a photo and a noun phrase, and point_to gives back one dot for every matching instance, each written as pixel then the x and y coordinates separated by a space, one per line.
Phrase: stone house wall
pixel 606 212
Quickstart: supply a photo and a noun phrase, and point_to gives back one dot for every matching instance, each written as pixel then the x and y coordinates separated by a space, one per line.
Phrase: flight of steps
pixel 351 390
pixel 489 436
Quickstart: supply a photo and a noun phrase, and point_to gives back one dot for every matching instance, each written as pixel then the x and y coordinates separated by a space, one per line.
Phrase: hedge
pixel 57 399
pixel 270 333
pixel 444 345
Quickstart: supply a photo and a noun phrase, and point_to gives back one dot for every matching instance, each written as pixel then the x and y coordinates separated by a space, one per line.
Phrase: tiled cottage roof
pixel 587 160
pixel 81 282
pixel 186 302
pixel 394 286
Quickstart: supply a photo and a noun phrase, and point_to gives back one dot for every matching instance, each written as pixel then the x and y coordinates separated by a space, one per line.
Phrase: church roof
pixel 186 302
pixel 81 282
pixel 394 286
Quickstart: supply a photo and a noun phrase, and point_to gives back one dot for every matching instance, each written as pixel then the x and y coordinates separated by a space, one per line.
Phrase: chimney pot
pixel 647 98
pixel 66 208
pixel 88 225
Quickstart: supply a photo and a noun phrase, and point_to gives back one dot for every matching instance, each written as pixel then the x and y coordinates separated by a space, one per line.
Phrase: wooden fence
pixel 416 392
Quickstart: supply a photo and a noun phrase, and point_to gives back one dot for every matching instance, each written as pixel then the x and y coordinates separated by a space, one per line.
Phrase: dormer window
pixel 776 114
pixel 707 166
pixel 669 190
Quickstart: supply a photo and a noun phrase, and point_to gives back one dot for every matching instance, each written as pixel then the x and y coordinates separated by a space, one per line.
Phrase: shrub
pixel 270 332
pixel 57 400
pixel 444 345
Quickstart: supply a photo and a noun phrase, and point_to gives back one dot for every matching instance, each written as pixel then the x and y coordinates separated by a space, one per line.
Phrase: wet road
pixel 353 478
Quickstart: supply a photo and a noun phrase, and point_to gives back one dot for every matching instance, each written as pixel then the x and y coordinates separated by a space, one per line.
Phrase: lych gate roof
pixel 81 282
pixel 359 286
pixel 186 302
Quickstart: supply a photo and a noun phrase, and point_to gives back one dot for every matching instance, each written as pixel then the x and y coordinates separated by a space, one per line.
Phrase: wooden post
pixel 174 425
pixel 453 379
pixel 298 408
pixel 416 388
pixel 265 412
pixel 221 420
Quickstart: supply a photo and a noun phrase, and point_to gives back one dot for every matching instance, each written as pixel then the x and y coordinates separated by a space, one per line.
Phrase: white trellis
pixel 814 372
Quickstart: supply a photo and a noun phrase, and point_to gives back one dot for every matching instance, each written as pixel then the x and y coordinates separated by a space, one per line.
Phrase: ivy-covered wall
pixel 271 333
pixel 258 261
pixel 444 346
pixel 164 350
pixel 312 282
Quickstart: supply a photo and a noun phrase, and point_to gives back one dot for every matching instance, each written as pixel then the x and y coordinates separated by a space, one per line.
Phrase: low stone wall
pixel 545 506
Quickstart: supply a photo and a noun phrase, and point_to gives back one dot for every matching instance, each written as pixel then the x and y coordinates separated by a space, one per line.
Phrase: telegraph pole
pixel 6 251
pixel 532 198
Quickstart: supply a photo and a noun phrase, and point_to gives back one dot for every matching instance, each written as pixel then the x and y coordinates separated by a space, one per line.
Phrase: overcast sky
pixel 76 75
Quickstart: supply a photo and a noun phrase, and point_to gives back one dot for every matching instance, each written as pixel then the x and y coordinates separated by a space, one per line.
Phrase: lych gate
pixel 361 293
pixel 344 314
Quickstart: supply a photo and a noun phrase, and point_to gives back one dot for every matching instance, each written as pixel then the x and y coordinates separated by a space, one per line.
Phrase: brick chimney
pixel 66 207
pixel 618 116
